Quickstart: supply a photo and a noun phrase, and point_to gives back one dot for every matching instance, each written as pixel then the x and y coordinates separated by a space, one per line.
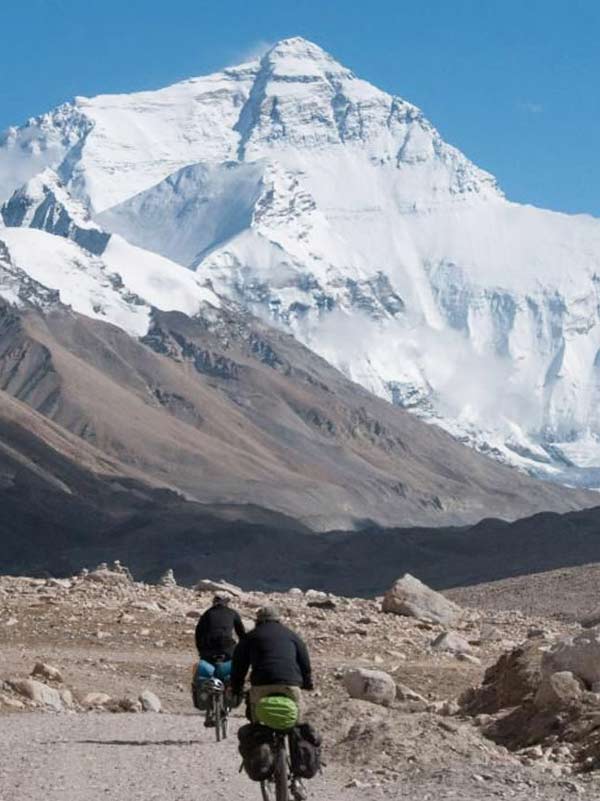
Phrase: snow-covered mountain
pixel 337 211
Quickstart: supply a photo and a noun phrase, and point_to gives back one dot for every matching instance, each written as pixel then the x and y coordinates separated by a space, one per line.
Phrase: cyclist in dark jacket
pixel 214 632
pixel 215 643
pixel 278 658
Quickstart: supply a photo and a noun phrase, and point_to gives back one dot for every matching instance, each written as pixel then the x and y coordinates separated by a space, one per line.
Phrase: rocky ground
pixel 103 648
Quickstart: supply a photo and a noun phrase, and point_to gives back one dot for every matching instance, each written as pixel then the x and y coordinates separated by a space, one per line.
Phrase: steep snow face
pixel 120 288
pixel 337 211
pixel 110 147
pixel 207 205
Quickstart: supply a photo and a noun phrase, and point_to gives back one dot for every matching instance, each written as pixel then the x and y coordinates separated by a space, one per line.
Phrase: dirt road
pixel 65 757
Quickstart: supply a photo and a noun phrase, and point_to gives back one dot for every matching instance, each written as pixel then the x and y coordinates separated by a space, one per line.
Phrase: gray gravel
pixel 45 757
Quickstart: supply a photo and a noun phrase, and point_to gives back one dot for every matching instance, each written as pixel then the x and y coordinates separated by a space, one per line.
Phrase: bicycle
pixel 217 708
pixel 282 785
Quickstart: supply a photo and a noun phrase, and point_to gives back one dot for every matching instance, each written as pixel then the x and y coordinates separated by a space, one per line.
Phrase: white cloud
pixel 253 52
pixel 531 108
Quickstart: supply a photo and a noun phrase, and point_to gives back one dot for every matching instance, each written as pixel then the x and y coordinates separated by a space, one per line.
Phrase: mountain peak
pixel 299 56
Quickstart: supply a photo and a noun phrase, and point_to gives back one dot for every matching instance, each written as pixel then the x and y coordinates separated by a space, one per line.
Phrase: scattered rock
pixel 470 658
pixel 316 595
pixel 105 576
pixel 327 604
pixel 370 685
pixel 149 701
pixel 168 579
pixel 96 699
pixel 128 705
pixel 145 606
pixel 412 598
pixel 67 698
pixel 451 642
pixel 44 671
pixel 12 703
pixel 405 694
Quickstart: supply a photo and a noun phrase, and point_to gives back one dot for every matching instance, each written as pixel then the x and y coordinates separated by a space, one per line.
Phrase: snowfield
pixel 337 211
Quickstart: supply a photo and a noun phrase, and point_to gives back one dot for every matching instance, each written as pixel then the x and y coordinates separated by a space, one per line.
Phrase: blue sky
pixel 514 84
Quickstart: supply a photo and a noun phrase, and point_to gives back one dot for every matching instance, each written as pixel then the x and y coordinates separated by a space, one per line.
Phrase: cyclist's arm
pixel 239 666
pixel 304 664
pixel 239 627
pixel 200 632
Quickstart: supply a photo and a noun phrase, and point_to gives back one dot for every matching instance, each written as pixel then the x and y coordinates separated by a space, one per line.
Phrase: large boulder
pixel 558 690
pixel 38 693
pixel 370 685
pixel 412 598
pixel 451 642
pixel 208 585
pixel 578 654
pixel 511 680
pixel 590 620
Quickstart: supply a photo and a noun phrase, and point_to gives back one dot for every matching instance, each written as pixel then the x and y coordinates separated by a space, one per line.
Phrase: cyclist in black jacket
pixel 278 657
pixel 214 632
pixel 215 641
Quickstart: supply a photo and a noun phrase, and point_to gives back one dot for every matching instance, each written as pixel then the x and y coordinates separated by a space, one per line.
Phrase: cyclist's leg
pixel 206 670
pixel 223 671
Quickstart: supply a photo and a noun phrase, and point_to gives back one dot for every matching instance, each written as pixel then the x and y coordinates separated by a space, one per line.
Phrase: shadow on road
pixel 140 742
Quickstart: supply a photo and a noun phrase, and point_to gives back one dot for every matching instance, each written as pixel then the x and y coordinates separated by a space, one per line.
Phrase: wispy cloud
pixel 531 108
pixel 253 52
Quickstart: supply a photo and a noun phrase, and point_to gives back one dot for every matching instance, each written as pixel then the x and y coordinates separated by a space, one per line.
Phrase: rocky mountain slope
pixel 337 211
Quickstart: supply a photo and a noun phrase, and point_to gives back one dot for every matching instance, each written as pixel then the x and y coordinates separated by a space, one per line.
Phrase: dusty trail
pixel 172 758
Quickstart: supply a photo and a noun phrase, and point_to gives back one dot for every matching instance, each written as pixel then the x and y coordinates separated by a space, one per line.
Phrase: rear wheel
pixel 281 775
pixel 218 712
pixel 265 788
pixel 224 724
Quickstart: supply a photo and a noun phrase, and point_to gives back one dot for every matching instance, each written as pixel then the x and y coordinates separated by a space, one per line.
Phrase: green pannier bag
pixel 277 712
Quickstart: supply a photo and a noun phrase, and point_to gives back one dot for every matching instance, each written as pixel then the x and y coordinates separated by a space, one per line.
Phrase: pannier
pixel 256 749
pixel 305 751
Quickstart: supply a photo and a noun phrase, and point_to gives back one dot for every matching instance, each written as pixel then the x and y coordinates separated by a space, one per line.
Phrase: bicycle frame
pixel 283 785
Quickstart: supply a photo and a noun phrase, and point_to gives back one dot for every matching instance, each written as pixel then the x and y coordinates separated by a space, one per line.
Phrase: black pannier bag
pixel 305 751
pixel 199 695
pixel 256 749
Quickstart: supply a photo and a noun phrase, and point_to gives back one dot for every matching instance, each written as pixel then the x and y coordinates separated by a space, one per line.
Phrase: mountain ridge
pixel 336 211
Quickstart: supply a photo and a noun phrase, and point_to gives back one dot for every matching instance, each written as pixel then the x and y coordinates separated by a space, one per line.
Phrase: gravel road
pixel 46 757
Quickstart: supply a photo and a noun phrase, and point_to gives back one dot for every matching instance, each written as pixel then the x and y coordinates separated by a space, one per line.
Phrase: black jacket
pixel 276 655
pixel 214 632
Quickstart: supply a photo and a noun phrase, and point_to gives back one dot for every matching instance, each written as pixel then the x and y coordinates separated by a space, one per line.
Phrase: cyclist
pixel 279 660
pixel 215 641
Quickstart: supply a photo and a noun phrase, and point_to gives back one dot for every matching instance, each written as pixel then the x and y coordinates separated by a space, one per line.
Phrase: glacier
pixel 337 211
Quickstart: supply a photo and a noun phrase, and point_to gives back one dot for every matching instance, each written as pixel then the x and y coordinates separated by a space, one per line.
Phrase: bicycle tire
pixel 265 790
pixel 280 776
pixel 218 713
pixel 224 724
